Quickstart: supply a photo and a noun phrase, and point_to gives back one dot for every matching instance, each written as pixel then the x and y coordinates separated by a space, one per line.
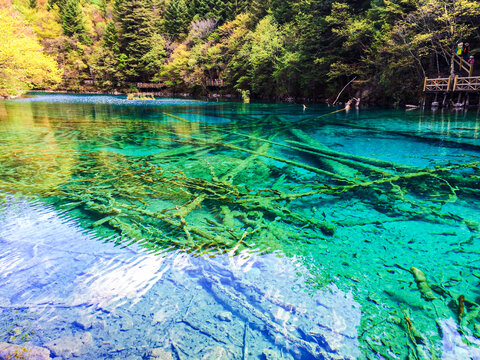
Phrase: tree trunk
pixel 452 66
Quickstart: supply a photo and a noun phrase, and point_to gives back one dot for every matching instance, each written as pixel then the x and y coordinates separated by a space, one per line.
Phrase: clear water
pixel 179 229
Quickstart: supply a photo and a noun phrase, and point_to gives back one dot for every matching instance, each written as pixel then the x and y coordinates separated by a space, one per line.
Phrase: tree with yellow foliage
pixel 23 65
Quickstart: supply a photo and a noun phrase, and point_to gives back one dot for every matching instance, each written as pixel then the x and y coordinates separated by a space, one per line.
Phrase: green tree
pixel 176 19
pixel 176 71
pixel 73 20
pixel 110 39
pixel 155 58
pixel 220 10
pixel 312 39
pixel 232 51
pixel 106 59
pixel 136 31
pixel 282 10
pixel 266 47
pixel 202 9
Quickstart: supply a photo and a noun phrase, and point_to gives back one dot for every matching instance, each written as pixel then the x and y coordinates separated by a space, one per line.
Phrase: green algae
pixel 359 221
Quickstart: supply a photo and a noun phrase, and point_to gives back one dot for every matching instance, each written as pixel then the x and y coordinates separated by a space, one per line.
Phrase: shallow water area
pixel 77 297
pixel 180 229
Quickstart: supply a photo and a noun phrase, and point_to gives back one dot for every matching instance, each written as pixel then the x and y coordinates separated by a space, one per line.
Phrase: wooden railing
pixel 463 65
pixel 149 85
pixel 214 82
pixel 438 84
pixel 471 83
pixel 457 83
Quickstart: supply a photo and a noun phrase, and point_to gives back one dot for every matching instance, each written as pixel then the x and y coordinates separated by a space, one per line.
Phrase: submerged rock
pixel 127 324
pixel 69 346
pixel 83 322
pixel 25 351
pixel 160 354
pixel 455 346
pixel 217 353
pixel 225 316
pixel 269 354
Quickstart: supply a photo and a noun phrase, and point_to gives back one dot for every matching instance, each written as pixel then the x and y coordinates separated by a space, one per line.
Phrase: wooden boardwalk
pixel 449 84
pixel 215 82
pixel 455 83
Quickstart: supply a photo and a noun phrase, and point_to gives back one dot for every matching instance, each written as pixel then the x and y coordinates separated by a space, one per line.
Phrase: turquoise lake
pixel 184 229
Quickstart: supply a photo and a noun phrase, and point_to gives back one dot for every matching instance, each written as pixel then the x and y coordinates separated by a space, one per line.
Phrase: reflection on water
pixel 244 229
pixel 92 300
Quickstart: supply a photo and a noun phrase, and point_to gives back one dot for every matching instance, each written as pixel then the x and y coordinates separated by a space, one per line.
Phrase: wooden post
pixel 470 71
pixel 444 99
pixel 467 101
pixel 435 102
pixel 449 83
pixel 425 84
pixel 455 83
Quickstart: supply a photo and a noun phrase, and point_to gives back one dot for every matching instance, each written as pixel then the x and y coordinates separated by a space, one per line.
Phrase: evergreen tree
pixel 136 25
pixel 202 9
pixel 110 39
pixel 227 10
pixel 282 10
pixel 73 21
pixel 220 10
pixel 176 19
pixel 315 44
pixel 259 9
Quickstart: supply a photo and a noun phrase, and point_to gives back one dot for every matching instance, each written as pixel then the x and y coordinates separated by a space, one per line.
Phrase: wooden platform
pixel 449 84
pixel 459 84
pixel 214 82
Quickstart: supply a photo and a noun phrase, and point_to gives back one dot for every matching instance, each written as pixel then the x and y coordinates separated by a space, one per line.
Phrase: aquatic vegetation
pixel 15 327
pixel 253 178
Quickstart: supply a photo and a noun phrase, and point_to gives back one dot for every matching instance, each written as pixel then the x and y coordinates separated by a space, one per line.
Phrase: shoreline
pixel 232 97
pixel 410 106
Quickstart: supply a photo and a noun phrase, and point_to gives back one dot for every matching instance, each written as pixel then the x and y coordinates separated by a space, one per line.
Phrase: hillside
pixel 274 49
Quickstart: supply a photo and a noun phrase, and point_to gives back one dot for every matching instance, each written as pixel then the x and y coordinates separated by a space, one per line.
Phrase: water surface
pixel 207 230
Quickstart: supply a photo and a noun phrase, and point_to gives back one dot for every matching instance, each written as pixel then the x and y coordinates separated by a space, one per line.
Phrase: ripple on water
pixel 108 99
pixel 91 299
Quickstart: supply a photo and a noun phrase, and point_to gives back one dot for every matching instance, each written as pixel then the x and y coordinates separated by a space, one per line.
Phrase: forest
pixel 269 49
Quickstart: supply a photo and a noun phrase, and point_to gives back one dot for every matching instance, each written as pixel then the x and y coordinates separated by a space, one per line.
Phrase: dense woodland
pixel 270 49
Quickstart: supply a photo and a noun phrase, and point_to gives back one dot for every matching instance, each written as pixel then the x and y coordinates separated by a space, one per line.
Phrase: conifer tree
pixel 136 25
pixel 282 10
pixel 259 9
pixel 176 19
pixel 202 8
pixel 220 10
pixel 224 10
pixel 73 21
pixel 110 39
